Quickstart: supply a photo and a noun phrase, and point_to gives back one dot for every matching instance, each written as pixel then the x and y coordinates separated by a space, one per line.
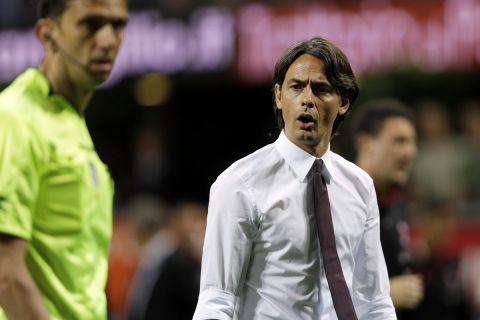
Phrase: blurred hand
pixel 406 291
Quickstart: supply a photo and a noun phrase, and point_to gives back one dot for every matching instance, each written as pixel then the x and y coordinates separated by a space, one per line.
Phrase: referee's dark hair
pixel 51 8
pixel 372 115
pixel 337 68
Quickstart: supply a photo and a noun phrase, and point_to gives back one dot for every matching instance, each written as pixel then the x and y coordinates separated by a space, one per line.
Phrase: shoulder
pixel 350 172
pixel 22 117
pixel 12 124
pixel 235 192
pixel 250 166
pixel 20 102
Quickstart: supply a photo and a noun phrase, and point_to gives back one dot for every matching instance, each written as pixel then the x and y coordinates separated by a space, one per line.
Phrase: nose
pixel 307 98
pixel 413 150
pixel 106 37
pixel 410 150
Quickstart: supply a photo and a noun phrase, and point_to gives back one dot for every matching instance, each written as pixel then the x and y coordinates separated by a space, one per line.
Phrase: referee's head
pixel 51 8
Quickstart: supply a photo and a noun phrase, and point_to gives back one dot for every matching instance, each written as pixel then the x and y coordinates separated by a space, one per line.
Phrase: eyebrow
pixel 315 82
pixel 104 19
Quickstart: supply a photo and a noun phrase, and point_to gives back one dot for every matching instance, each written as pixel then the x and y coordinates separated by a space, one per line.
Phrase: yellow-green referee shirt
pixel 57 194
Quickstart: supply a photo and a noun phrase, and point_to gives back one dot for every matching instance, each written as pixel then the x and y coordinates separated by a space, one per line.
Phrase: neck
pixel 320 149
pixel 316 150
pixel 62 83
pixel 381 189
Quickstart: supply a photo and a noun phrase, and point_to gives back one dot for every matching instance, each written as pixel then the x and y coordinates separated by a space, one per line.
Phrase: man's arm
pixel 19 296
pixel 227 248
pixel 371 290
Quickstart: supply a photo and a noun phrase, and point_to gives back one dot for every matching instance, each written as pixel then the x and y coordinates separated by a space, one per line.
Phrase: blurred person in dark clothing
pixel 469 120
pixel 150 161
pixel 149 217
pixel 175 291
pixel 386 140
pixel 440 265
pixel 441 167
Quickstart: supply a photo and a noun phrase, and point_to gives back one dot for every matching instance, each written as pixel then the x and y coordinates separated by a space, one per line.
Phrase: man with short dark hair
pixel 386 138
pixel 55 193
pixel 262 258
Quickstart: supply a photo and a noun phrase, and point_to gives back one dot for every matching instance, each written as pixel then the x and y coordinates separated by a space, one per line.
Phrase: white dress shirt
pixel 261 257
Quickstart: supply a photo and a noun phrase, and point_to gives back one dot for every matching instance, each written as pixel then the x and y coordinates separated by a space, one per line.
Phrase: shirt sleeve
pixel 371 288
pixel 227 247
pixel 18 177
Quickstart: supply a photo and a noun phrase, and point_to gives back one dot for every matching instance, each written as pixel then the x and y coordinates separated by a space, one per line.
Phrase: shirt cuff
pixel 214 303
pixel 380 309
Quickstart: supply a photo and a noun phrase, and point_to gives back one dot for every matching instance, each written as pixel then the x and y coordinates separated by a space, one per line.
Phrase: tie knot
pixel 318 166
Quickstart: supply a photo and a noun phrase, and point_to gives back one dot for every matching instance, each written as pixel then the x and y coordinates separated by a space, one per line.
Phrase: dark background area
pixel 210 121
pixel 207 125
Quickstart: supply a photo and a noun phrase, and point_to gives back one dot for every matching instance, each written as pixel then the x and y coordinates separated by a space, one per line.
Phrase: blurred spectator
pixel 441 168
pixel 159 245
pixel 470 270
pixel 133 231
pixel 386 142
pixel 445 294
pixel 469 121
pixel 175 291
pixel 470 128
pixel 150 162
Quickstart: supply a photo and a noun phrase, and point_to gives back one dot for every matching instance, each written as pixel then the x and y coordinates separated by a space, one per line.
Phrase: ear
pixel 344 107
pixel 43 31
pixel 278 95
pixel 363 142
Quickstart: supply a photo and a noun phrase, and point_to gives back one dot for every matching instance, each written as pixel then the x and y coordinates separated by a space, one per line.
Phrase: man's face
pixel 87 38
pixel 309 103
pixel 393 151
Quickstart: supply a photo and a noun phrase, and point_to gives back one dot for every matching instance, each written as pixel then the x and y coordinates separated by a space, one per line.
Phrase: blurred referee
pixel 55 193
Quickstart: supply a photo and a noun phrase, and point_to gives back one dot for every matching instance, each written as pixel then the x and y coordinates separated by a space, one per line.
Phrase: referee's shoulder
pixel 19 106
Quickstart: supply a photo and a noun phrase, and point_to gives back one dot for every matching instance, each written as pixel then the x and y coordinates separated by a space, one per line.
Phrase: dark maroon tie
pixel 338 287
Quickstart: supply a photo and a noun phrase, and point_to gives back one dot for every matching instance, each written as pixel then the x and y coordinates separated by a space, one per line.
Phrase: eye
pixel 296 86
pixel 93 24
pixel 119 24
pixel 320 89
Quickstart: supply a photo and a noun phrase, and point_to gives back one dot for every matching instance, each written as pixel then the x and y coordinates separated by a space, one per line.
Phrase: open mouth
pixel 102 64
pixel 306 121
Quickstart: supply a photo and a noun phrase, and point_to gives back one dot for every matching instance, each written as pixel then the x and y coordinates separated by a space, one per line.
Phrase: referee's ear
pixel 43 31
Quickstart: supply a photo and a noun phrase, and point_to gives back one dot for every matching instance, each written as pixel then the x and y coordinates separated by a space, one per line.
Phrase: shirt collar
pixel 301 161
pixel 44 89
